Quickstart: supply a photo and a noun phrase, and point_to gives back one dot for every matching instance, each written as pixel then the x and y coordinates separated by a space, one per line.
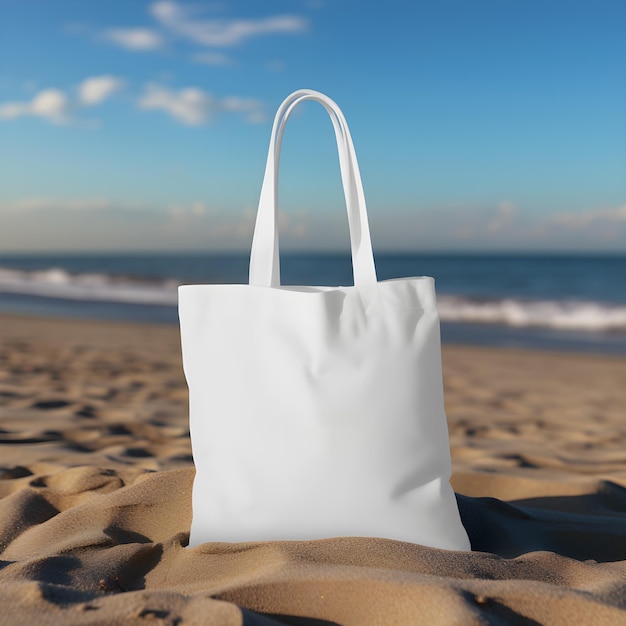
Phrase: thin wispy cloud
pixel 180 21
pixel 135 39
pixel 55 106
pixel 505 215
pixel 77 223
pixel 194 107
pixel 250 108
pixel 596 226
pixel 503 227
pixel 57 204
pixel 588 218
pixel 212 58
pixel 276 66
pixel 182 211
pixel 77 28
pixel 177 20
pixel 28 86
pixel 71 222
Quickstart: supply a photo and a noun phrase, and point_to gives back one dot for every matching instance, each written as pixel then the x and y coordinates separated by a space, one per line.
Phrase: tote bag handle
pixel 265 256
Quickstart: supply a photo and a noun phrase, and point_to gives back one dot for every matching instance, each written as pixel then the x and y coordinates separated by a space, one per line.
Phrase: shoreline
pixel 453 334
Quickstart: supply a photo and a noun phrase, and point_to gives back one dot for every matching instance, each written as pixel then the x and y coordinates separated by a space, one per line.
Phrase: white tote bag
pixel 317 412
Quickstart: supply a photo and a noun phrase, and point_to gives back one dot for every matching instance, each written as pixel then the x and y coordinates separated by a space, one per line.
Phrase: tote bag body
pixel 317 412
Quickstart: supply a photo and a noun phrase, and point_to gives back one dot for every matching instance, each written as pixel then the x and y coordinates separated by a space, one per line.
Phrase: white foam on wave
pixel 557 314
pixel 55 282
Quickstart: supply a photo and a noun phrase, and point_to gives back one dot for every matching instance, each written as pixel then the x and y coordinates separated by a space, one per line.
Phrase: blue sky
pixel 479 124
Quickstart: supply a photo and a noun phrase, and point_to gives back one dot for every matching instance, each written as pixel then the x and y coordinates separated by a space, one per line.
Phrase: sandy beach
pixel 95 487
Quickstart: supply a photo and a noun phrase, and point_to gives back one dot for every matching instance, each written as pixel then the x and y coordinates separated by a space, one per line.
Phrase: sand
pixel 96 475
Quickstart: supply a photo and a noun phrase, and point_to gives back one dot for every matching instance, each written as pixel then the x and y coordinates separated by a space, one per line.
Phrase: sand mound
pixel 83 546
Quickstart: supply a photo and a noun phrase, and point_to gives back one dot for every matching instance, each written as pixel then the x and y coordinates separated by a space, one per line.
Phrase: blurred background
pixel 491 138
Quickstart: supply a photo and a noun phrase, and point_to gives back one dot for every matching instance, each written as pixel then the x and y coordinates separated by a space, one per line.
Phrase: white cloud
pixel 195 107
pixel 96 89
pixel 191 106
pixel 136 39
pixel 212 58
pixel 55 106
pixel 221 32
pixel 50 104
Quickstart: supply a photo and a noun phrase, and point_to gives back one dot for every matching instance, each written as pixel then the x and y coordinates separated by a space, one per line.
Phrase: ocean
pixel 554 302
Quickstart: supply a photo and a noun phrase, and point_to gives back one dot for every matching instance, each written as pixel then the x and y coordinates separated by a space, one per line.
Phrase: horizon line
pixel 321 252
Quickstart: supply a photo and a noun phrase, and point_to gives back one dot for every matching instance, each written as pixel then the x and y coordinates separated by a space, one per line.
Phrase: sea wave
pixel 558 314
pixel 577 315
pixel 55 282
